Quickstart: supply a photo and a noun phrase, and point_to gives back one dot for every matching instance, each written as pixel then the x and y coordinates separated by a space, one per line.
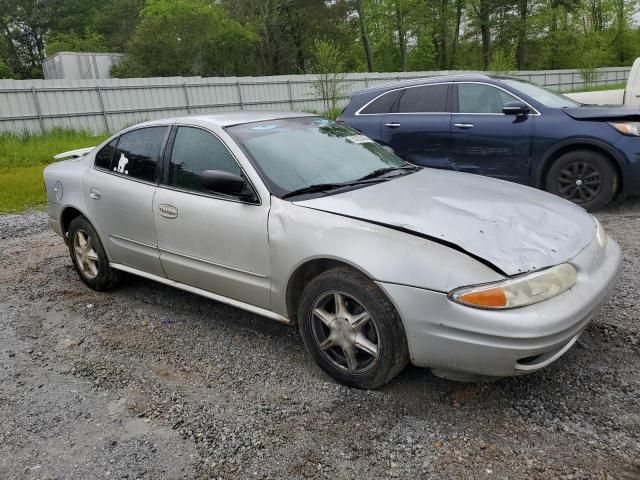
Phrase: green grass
pixel 21 189
pixel 22 159
pixel 599 88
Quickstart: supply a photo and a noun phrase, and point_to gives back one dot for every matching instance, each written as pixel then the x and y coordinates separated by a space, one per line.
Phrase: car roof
pixel 469 77
pixel 227 119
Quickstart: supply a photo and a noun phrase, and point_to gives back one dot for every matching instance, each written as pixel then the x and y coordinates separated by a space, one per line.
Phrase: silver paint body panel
pixel 516 228
pixel 417 237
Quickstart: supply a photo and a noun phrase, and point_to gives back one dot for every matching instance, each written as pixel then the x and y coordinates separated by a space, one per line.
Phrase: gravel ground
pixel 151 382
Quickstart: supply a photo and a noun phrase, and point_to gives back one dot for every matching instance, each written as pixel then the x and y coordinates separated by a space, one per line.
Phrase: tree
pixel 364 35
pixel 72 42
pixel 116 20
pixel 187 37
pixel 329 67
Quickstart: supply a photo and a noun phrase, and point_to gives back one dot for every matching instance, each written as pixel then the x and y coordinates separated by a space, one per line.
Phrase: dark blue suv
pixel 506 128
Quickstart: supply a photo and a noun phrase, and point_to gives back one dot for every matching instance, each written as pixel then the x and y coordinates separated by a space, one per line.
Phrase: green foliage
pixel 187 37
pixel 503 61
pixel 329 66
pixel 273 37
pixel 116 20
pixel 5 70
pixel 72 42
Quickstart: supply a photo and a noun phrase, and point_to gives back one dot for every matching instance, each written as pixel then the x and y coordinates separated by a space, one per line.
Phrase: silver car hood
pixel 513 228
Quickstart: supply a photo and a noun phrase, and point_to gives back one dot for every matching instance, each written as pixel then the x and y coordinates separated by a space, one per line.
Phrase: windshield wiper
pixel 325 187
pixel 372 177
pixel 383 171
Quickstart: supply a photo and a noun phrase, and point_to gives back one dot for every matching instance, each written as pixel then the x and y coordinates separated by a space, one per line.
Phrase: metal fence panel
pixel 108 105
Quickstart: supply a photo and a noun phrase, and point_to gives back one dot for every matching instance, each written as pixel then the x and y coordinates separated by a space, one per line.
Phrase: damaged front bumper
pixel 449 337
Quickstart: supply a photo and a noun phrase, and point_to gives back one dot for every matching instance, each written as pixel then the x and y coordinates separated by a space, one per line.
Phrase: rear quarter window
pixel 104 157
pixel 382 104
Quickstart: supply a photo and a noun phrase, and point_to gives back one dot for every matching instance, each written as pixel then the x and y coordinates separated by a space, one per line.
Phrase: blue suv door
pixel 485 140
pixel 418 127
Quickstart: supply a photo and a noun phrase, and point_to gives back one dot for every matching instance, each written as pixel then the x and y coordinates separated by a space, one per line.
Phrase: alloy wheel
pixel 86 256
pixel 579 182
pixel 345 332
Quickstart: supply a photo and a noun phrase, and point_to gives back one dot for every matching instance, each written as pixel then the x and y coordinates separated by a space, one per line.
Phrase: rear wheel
pixel 351 329
pixel 88 256
pixel 584 177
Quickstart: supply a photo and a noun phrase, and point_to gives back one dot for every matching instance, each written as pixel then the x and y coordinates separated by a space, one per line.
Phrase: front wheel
pixel 351 329
pixel 584 177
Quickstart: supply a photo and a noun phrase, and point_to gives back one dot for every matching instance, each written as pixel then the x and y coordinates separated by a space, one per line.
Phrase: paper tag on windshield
pixel 359 139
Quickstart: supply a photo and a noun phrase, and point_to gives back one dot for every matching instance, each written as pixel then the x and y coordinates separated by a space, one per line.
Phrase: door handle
pixel 464 126
pixel 392 125
pixel 95 193
pixel 168 211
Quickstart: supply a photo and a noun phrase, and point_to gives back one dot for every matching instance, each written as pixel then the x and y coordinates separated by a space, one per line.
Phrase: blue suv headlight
pixel 627 128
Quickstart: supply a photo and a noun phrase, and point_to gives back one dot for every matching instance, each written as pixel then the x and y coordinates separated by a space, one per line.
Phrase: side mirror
pixel 226 183
pixel 516 108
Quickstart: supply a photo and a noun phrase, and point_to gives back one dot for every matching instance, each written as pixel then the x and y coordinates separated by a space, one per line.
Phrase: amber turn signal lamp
pixel 494 297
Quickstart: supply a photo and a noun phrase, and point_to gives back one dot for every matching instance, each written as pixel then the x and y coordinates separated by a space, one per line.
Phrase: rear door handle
pixel 168 211
pixel 392 125
pixel 464 126
pixel 95 193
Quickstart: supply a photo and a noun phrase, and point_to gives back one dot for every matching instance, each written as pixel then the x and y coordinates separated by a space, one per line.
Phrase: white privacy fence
pixel 109 105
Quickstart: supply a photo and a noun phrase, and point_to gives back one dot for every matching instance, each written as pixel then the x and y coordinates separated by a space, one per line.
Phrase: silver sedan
pixel 306 221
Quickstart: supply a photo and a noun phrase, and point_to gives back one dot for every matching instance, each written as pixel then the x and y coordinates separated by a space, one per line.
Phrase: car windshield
pixel 308 152
pixel 546 97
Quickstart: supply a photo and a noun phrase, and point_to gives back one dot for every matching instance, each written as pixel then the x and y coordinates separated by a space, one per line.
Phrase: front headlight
pixel 518 292
pixel 601 234
pixel 627 128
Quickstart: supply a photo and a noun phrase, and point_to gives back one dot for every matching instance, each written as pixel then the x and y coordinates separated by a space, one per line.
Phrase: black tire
pixel 384 329
pixel 105 277
pixel 584 177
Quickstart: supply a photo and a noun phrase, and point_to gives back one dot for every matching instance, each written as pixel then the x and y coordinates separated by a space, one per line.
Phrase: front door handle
pixel 464 126
pixel 95 193
pixel 168 211
pixel 392 125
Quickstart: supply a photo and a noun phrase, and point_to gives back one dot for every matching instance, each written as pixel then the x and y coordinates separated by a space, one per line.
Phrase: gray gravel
pixel 151 382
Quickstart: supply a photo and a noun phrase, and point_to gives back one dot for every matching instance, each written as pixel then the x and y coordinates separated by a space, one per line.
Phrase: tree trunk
pixel 456 34
pixel 364 35
pixel 483 12
pixel 402 38
pixel 444 34
pixel 521 52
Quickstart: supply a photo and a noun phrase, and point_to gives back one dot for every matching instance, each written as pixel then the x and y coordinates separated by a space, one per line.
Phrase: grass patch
pixel 600 88
pixel 21 188
pixel 39 149
pixel 22 159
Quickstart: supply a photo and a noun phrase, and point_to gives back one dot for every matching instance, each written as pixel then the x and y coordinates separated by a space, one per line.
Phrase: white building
pixel 77 65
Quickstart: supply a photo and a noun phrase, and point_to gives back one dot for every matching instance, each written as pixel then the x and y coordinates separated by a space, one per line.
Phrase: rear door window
pixel 137 153
pixel 424 99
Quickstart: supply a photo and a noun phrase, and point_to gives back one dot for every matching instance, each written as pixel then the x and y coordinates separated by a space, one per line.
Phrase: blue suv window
pixel 382 104
pixel 480 98
pixel 424 99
